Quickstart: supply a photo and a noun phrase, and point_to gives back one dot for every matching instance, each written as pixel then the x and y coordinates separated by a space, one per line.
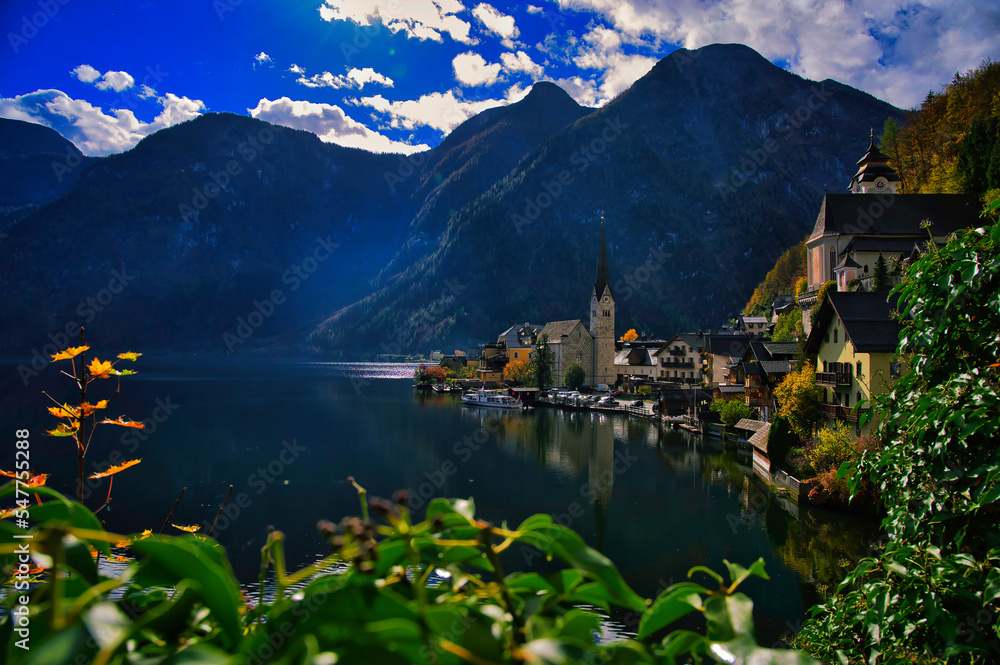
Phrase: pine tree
pixel 542 360
pixel 880 280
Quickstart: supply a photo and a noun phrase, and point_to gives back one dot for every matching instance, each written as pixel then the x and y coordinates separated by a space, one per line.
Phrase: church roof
pixel 603 281
pixel 848 262
pixel 891 245
pixel 558 329
pixel 895 214
pixel 873 165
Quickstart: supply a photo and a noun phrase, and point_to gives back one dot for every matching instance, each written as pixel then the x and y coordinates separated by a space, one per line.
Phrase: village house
pixel 722 354
pixel 679 360
pixel 763 366
pixel 853 229
pixel 854 341
pixel 752 325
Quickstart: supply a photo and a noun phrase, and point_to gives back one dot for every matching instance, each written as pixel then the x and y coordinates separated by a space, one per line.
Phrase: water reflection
pixel 656 501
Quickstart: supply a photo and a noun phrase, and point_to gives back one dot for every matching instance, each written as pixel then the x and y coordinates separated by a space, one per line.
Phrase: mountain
pixel 707 169
pixel 224 233
pixel 37 165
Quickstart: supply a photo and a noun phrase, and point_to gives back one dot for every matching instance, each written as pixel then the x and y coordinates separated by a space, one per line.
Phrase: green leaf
pixel 566 544
pixel 992 590
pixel 677 601
pixel 728 617
pixel 737 573
pixel 218 587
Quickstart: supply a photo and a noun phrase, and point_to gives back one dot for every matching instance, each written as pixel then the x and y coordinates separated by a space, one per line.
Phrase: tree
pixel 780 440
pixel 629 336
pixel 517 371
pixel 932 589
pixel 575 376
pixel 542 362
pixel 788 327
pixel 797 396
pixel 731 411
pixel 880 278
pixel 780 280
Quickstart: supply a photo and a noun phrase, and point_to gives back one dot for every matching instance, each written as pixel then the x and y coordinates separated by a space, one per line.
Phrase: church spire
pixel 603 280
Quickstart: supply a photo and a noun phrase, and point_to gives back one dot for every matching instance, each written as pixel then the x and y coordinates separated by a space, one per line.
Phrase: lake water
pixel 287 434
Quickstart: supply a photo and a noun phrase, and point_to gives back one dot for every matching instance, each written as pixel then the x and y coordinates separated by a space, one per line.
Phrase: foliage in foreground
pixel 933 593
pixel 391 592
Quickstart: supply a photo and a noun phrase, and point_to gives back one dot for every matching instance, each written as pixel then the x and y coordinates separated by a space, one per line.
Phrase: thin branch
pixel 171 513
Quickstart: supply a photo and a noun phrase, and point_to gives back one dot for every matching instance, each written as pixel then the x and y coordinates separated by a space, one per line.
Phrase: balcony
pixel 839 412
pixel 834 379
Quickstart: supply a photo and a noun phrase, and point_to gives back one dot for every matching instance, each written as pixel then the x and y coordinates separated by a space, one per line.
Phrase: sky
pixel 399 75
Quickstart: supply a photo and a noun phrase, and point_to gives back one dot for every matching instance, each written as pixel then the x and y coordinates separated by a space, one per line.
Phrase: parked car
pixel 616 393
pixel 608 401
pixel 638 402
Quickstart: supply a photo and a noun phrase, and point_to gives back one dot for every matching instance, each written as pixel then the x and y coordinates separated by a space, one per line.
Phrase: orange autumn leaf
pixel 122 543
pixel 7 513
pixel 89 408
pixel 148 533
pixel 64 411
pixel 131 355
pixel 189 529
pixel 36 481
pixel 115 469
pixel 71 352
pixel 119 559
pixel 98 369
pixel 62 429
pixel 122 422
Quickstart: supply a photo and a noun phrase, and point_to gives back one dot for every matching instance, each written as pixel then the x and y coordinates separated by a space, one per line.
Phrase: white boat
pixel 495 398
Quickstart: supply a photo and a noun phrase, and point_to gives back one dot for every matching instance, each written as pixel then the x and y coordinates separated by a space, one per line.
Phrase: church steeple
pixel 602 281
pixel 874 173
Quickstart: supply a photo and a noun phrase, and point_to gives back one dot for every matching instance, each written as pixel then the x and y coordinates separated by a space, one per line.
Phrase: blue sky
pixel 398 75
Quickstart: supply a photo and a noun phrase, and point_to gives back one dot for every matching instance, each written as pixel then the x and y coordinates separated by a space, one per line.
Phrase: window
pixel 858 369
pixel 835 332
pixel 847 399
pixel 579 358
pixel 833 262
pixel 866 268
pixel 826 367
pixel 858 397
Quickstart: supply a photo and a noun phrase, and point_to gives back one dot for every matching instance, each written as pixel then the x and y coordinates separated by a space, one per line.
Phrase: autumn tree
pixel 629 336
pixel 788 327
pixel 797 396
pixel 780 280
pixel 575 376
pixel 517 371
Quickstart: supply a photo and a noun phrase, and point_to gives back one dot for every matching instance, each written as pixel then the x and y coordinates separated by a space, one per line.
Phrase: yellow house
pixel 854 340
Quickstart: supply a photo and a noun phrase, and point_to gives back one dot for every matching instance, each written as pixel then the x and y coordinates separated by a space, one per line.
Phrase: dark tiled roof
pixel 866 317
pixel 727 345
pixel 776 366
pixel 848 262
pixel 725 388
pixel 895 214
pixel 781 348
pixel 556 329
pixel 694 340
pixel 889 245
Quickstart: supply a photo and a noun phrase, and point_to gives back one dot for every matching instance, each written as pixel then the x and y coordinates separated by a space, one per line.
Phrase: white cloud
pixel 521 62
pixel 601 49
pixel 116 81
pixel 95 132
pixel 330 123
pixel 896 50
pixel 263 58
pixel 498 23
pixel 419 19
pixel 86 73
pixel 441 111
pixel 295 69
pixel 355 78
pixel 532 9
pixel 145 92
pixel 471 69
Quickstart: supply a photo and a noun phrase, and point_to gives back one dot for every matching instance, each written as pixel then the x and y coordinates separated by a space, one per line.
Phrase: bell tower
pixel 874 175
pixel 602 319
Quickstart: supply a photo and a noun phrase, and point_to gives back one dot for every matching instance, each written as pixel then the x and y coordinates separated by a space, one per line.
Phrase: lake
pixel 286 435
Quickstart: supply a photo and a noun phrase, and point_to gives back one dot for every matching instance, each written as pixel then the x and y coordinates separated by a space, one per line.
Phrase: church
pixel 593 348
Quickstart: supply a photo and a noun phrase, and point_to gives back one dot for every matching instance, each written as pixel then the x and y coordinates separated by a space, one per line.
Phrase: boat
pixel 442 388
pixel 494 398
